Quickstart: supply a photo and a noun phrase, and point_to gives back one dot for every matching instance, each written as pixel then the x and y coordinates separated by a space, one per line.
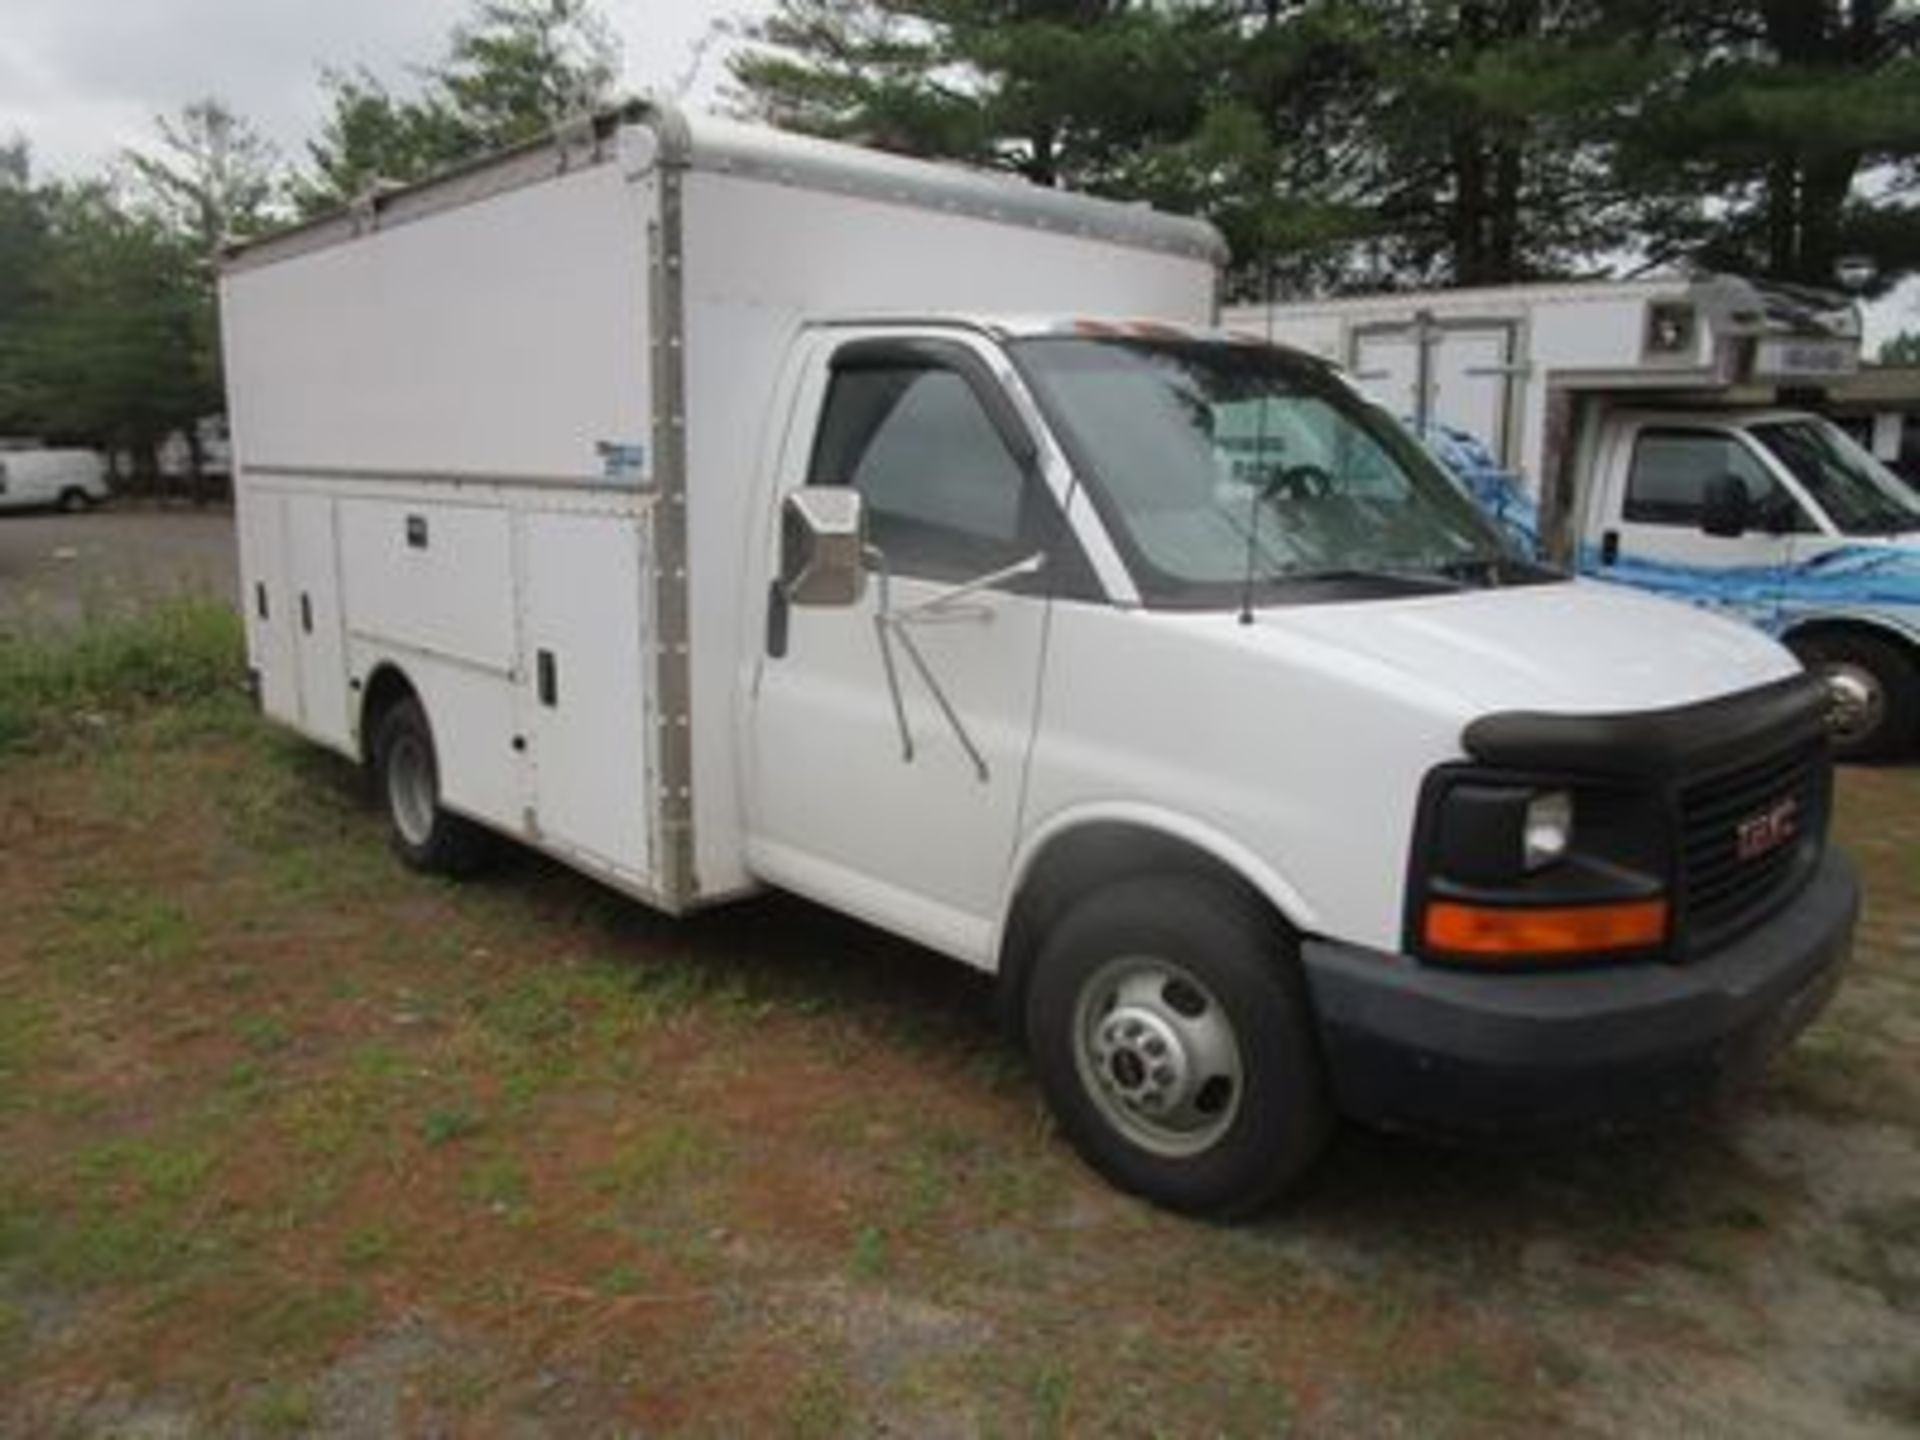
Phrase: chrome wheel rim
pixel 412 788
pixel 1856 701
pixel 1157 1054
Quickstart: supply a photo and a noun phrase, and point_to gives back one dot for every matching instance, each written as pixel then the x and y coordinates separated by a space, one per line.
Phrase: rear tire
pixel 406 768
pixel 1877 692
pixel 1171 1032
pixel 73 500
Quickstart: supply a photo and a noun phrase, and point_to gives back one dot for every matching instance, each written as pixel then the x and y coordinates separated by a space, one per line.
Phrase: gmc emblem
pixel 1769 830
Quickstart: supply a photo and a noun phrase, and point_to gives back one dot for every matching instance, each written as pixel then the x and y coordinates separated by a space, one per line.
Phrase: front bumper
pixel 1409 1046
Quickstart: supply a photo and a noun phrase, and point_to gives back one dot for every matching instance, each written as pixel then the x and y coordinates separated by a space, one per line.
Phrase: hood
pixel 1572 648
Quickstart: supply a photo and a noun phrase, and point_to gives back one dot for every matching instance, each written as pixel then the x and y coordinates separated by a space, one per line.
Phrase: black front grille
pixel 1727 883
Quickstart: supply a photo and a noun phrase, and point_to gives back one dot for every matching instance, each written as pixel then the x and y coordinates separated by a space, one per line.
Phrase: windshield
pixel 1215 462
pixel 1858 495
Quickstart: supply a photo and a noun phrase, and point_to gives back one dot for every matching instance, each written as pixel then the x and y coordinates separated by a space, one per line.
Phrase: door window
pixel 945 498
pixel 1671 471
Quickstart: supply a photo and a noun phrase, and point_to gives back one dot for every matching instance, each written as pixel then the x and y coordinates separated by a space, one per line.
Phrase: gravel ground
pixel 58 568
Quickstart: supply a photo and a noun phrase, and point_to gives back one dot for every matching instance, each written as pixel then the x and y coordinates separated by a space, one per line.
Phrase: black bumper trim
pixel 1409 1046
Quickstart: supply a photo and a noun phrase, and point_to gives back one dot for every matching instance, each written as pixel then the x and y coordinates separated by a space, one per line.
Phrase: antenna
pixel 1258 491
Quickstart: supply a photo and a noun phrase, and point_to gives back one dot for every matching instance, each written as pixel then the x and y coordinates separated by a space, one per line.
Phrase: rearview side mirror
pixel 823 541
pixel 1725 509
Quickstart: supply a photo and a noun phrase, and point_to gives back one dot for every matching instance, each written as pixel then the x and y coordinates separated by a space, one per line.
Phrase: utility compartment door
pixel 314 581
pixel 267 590
pixel 584 667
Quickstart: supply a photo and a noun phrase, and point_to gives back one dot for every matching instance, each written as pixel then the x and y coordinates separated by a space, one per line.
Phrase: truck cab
pixel 1777 517
pixel 1121 660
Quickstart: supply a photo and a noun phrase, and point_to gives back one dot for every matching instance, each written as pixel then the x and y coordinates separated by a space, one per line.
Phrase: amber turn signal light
pixel 1521 931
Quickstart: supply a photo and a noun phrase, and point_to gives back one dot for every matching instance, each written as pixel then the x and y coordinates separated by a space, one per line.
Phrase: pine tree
pixel 514 69
pixel 1798 121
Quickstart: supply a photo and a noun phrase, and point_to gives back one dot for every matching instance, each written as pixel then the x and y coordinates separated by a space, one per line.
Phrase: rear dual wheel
pixel 1171 1032
pixel 423 833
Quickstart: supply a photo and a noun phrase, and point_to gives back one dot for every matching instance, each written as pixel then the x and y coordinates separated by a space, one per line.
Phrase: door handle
pixel 778 609
pixel 1609 546
pixel 306 612
pixel 547 678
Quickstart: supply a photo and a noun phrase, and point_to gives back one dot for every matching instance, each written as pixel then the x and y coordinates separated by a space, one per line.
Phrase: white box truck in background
pixel 1658 426
pixel 713 508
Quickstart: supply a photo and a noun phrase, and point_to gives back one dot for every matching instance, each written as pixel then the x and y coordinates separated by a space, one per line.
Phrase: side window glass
pixel 944 497
pixel 1671 470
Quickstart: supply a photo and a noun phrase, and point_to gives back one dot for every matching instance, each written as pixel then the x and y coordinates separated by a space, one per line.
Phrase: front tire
pixel 1173 1039
pixel 406 767
pixel 73 501
pixel 1876 692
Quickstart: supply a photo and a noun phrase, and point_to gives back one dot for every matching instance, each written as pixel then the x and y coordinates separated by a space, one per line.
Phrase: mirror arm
pixel 878 560
pixel 890 625
pixel 936 606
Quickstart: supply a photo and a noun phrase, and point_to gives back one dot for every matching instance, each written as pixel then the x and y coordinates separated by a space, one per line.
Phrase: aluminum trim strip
pixel 356 474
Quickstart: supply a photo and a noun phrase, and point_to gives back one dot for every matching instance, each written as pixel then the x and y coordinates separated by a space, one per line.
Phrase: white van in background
pixel 33 477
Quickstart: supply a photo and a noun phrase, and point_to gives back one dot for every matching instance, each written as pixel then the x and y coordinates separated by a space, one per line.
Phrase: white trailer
pixel 1622 406
pixel 692 503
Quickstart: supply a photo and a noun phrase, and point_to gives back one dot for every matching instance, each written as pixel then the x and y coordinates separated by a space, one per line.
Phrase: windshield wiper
pixel 1335 574
pixel 1493 568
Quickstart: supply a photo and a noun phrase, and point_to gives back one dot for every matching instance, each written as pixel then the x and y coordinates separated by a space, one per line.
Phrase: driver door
pixel 1658 478
pixel 868 790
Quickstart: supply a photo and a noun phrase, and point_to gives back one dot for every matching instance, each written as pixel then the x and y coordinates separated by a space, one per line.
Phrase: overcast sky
pixel 82 79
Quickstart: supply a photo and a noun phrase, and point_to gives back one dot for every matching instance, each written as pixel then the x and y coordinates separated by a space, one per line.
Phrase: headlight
pixel 1502 875
pixel 1548 829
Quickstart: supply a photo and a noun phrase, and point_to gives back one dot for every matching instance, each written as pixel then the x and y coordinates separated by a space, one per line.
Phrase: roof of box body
pixel 700 142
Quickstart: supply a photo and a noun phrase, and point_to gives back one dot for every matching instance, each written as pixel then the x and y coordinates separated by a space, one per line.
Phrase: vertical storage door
pixel 313 568
pixel 585 666
pixel 264 581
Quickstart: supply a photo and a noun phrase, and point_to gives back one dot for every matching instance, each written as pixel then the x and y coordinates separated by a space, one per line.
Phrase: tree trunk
pixel 1463 223
pixel 1823 196
pixel 1504 242
pixel 1042 166
pixel 1782 215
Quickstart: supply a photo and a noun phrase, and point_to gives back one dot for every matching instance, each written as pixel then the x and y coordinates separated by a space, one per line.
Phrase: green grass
pixel 122 924
pixel 59 683
pixel 122 1212
pixel 869 1259
pixel 284 1410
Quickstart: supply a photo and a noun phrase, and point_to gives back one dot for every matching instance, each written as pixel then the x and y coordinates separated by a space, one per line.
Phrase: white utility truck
pixel 1654 424
pixel 695 504
pixel 34 477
